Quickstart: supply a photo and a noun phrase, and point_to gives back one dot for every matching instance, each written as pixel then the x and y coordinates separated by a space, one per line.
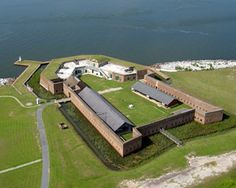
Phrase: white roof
pixel 110 67
pixel 69 68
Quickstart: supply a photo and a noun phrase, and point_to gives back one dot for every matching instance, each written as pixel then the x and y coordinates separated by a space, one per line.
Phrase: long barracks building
pixel 205 113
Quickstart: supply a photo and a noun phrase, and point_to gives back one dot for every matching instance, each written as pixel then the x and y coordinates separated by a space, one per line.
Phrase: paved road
pixel 44 146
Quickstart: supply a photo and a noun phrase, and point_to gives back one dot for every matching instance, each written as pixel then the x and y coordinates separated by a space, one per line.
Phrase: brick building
pixel 205 113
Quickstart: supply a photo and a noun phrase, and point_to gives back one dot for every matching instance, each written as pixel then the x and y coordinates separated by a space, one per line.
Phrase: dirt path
pixel 199 169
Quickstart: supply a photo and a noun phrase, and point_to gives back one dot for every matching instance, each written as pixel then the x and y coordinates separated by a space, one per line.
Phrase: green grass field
pixel 73 163
pixel 19 144
pixel 26 177
pixel 122 98
pixel 217 87
pixel 154 145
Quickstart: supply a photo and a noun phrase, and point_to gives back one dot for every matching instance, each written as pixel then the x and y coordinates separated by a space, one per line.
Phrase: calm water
pixel 144 31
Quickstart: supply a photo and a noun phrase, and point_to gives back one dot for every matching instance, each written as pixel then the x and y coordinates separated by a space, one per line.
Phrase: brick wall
pixel 141 73
pixel 205 113
pixel 54 87
pixel 44 82
pixel 167 123
pixel 133 144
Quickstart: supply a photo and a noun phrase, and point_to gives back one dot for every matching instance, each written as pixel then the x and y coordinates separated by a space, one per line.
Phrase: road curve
pixel 44 146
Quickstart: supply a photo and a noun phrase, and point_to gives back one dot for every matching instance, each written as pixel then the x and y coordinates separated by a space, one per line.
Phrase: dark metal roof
pixel 153 93
pixel 112 117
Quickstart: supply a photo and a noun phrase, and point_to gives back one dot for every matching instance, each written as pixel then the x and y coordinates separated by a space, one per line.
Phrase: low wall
pixel 214 116
pixel 167 123
pixel 133 144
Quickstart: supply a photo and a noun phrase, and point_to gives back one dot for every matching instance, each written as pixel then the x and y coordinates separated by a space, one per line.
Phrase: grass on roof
pixel 54 64
pixel 127 136
pixel 19 84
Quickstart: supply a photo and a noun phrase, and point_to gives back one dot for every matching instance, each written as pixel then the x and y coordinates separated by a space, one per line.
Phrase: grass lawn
pixel 122 98
pixel 144 111
pixel 27 177
pixel 74 164
pixel 19 144
pixel 218 86
pixel 153 146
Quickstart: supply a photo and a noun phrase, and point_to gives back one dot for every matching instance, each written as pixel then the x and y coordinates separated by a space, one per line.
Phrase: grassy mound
pixel 42 93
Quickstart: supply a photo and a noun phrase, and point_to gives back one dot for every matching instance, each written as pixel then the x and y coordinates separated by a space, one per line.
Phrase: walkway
pixel 110 90
pixel 17 100
pixel 20 166
pixel 44 146
pixel 64 100
pixel 171 137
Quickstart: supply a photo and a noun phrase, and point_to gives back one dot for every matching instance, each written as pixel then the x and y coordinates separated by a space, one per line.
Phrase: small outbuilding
pixel 154 94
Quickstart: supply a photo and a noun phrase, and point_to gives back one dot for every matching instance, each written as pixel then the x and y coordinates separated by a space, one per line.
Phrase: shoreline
pixel 195 65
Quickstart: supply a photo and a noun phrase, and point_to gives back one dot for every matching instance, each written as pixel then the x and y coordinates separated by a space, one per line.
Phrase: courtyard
pixel 123 98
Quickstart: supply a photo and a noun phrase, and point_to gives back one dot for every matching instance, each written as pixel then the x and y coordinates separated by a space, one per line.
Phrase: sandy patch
pixel 11 114
pixel 110 90
pixel 28 104
pixel 199 168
